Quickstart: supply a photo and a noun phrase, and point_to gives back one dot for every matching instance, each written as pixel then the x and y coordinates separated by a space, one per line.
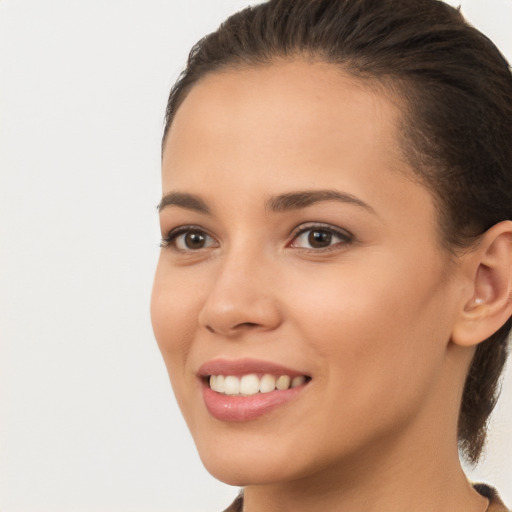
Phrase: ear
pixel 488 303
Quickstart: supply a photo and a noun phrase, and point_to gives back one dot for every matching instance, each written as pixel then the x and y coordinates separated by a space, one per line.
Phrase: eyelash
pixel 344 236
pixel 170 239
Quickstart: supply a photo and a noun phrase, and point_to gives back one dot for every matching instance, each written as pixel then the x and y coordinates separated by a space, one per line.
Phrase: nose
pixel 242 298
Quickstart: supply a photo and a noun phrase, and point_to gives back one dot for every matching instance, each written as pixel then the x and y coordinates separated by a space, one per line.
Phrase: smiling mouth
pixel 249 389
pixel 253 384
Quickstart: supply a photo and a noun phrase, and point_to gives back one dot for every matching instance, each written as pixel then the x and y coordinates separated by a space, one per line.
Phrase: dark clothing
pixel 495 503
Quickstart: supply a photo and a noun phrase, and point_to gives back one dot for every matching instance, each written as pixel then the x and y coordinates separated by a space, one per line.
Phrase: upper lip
pixel 244 367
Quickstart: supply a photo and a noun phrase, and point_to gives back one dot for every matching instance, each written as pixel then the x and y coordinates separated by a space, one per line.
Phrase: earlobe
pixel 490 304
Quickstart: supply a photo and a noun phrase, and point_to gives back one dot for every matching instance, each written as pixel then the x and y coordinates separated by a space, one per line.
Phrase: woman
pixel 334 291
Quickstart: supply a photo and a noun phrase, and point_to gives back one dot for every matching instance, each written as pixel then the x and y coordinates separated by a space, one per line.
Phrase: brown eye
pixel 194 240
pixel 318 239
pixel 189 239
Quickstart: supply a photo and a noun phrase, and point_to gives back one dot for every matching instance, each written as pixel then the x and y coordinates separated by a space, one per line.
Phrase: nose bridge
pixel 242 296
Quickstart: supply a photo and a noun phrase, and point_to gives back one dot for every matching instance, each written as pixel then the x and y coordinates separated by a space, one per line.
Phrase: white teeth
pixel 251 384
pixel 231 385
pixel 217 383
pixel 220 383
pixel 267 383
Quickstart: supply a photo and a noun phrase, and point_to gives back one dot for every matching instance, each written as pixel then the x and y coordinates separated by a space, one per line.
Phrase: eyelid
pixel 168 240
pixel 345 235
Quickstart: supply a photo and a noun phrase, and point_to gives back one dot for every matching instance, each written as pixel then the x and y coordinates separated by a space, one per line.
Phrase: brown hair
pixel 456 90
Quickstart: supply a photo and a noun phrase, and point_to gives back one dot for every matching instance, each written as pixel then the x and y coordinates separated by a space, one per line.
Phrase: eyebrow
pixel 184 200
pixel 279 203
pixel 302 199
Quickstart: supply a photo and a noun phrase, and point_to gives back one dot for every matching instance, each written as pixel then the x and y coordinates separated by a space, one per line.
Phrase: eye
pixel 320 237
pixel 189 239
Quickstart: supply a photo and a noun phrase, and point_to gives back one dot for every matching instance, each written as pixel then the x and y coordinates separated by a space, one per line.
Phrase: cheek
pixel 174 312
pixel 381 359
pixel 380 326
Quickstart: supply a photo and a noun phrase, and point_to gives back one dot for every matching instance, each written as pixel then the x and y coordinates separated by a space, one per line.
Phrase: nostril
pixel 246 325
pixel 238 327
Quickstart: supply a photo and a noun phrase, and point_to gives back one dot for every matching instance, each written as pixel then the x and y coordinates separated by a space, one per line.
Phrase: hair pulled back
pixel 455 90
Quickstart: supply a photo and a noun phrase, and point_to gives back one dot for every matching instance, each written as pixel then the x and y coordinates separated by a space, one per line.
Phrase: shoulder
pixel 495 503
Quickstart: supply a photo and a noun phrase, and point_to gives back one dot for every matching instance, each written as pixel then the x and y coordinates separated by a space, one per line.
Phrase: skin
pixel 370 318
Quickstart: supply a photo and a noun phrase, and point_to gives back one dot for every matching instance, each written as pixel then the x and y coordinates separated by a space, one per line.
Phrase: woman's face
pixel 296 244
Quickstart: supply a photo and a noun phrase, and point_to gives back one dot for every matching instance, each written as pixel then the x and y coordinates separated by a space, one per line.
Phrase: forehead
pixel 286 103
pixel 301 118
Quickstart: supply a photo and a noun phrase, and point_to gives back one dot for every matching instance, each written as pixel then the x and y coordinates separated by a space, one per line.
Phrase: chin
pixel 241 473
pixel 259 458
pixel 237 467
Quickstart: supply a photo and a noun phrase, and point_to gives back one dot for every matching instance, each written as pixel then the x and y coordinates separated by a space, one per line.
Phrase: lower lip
pixel 246 408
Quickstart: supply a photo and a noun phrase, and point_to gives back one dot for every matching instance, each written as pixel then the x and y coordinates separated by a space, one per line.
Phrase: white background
pixel 87 421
